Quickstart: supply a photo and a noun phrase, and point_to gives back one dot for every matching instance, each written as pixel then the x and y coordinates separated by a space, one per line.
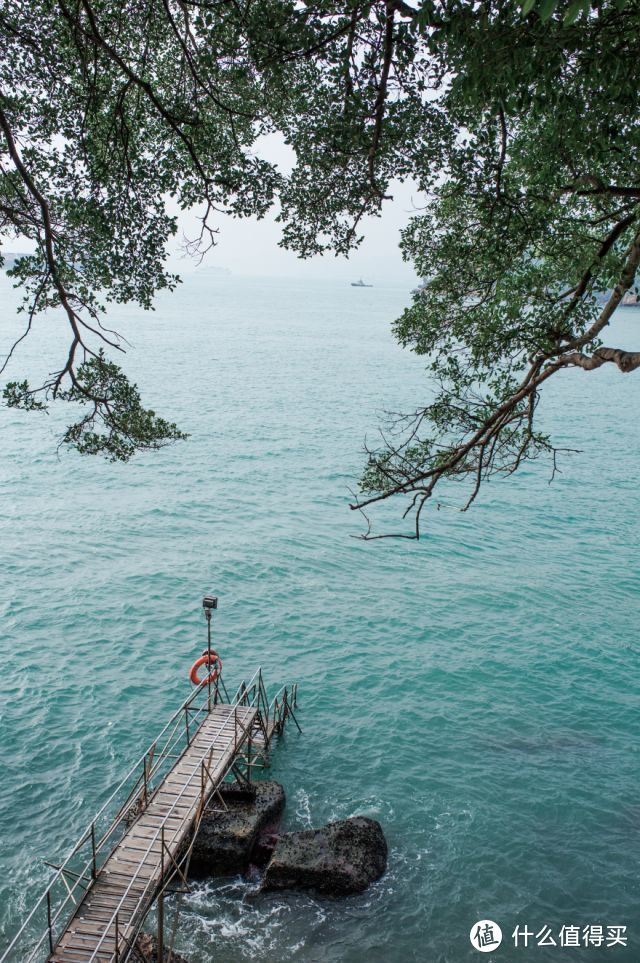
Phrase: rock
pixel 265 844
pixel 341 858
pixel 145 950
pixel 226 841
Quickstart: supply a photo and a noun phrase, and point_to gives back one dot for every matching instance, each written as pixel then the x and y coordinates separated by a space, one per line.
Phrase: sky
pixel 249 246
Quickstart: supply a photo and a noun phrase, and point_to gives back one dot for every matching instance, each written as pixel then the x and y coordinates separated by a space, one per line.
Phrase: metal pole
pixel 94 865
pixel 117 940
pixel 160 953
pixel 49 921
pixel 208 614
pixel 265 702
pixel 209 603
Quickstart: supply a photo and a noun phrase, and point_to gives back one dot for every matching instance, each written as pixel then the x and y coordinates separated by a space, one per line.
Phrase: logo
pixel 485 936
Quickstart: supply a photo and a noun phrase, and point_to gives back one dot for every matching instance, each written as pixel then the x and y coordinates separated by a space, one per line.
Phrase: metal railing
pixel 46 922
pixel 274 714
pixel 130 797
pixel 123 941
pixel 283 705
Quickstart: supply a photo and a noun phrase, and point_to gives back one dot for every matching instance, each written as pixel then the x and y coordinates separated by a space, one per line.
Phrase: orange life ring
pixel 212 659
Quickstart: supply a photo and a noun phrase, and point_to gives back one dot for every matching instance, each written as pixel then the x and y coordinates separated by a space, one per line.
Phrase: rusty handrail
pixel 75 891
pixel 181 728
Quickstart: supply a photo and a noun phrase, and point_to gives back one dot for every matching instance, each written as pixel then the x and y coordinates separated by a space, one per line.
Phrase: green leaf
pixel 495 115
pixel 573 12
pixel 114 406
pixel 17 394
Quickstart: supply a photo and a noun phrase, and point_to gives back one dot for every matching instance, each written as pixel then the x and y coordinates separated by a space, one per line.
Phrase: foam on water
pixel 477 693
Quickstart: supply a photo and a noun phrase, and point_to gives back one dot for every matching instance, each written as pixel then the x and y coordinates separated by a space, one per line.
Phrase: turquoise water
pixel 477 693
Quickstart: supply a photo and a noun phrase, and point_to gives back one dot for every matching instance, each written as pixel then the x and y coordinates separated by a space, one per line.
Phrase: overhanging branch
pixel 626 361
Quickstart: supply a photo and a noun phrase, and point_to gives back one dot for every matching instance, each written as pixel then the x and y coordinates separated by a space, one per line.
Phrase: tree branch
pixel 379 108
pixel 625 360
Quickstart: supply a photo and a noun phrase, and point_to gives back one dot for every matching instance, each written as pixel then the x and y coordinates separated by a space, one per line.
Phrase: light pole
pixel 209 603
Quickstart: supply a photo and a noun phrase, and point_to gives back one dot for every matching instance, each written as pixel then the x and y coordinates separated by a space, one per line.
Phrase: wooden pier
pixel 140 842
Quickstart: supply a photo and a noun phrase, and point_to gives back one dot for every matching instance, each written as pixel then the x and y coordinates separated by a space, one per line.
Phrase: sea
pixel 477 692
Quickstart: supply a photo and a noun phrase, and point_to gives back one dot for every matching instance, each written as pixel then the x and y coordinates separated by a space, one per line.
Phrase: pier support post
pixel 49 924
pixel 94 863
pixel 249 757
pixel 160 953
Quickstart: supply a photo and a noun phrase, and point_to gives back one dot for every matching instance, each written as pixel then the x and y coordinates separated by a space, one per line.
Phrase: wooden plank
pixel 105 916
pixel 97 911
pixel 155 821
pixel 77 941
pixel 175 802
pixel 86 948
pixel 140 832
pixel 80 935
pixel 174 785
pixel 75 956
pixel 140 870
pixel 102 901
pixel 141 845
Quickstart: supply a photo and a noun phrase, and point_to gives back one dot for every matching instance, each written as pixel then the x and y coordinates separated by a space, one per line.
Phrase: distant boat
pixel 360 284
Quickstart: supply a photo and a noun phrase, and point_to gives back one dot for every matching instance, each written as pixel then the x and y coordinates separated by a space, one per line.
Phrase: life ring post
pixel 209 603
pixel 213 662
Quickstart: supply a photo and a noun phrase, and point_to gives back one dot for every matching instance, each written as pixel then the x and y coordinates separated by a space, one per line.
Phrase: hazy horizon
pixel 250 246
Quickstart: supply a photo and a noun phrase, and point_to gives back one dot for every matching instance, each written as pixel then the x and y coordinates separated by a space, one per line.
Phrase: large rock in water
pixel 226 840
pixel 341 858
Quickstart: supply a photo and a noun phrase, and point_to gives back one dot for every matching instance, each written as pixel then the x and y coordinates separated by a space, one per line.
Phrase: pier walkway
pixel 140 842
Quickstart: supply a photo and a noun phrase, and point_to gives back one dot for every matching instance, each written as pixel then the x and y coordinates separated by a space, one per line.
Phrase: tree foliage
pixel 532 215
pixel 518 121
